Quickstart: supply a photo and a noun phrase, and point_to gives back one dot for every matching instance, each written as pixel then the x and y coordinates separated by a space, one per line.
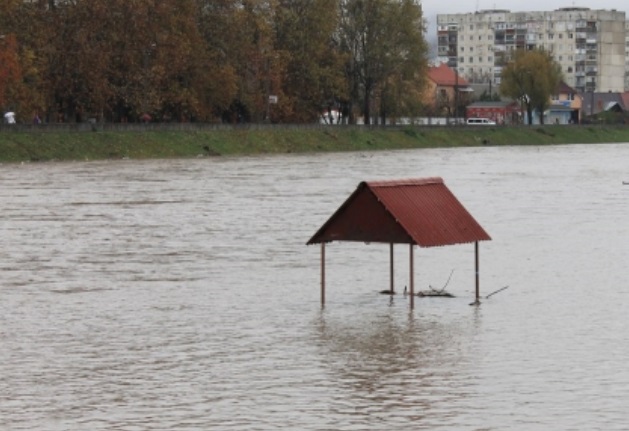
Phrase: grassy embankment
pixel 25 146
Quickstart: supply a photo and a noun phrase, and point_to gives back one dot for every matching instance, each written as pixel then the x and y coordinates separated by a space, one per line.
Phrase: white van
pixel 480 121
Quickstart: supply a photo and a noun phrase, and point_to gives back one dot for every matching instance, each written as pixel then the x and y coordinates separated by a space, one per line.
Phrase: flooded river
pixel 180 295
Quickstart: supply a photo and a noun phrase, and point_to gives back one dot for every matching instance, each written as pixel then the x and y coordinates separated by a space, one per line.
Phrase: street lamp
pixel 591 98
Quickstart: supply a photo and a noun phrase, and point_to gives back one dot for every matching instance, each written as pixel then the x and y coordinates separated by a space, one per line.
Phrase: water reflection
pixel 398 361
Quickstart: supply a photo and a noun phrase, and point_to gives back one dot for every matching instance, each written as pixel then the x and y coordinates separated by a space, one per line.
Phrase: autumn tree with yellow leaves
pixel 531 78
pixel 209 60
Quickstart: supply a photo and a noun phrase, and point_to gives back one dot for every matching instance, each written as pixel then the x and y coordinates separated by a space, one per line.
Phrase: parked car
pixel 480 121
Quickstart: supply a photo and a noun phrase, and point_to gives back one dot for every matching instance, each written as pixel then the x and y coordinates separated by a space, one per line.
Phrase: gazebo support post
pixel 411 277
pixel 322 274
pixel 477 275
pixel 391 265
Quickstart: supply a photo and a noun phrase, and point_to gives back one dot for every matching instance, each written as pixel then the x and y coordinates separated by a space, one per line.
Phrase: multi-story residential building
pixel 627 55
pixel 589 45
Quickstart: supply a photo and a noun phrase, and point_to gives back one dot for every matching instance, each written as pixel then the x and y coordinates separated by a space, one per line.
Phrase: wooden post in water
pixel 322 274
pixel 412 277
pixel 391 265
pixel 477 275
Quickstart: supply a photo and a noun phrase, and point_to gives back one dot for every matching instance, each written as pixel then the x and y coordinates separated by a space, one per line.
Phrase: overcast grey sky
pixel 433 7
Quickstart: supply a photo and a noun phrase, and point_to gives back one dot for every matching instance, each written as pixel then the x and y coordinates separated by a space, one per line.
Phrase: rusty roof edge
pixel 405 182
pixel 479 226
pixel 344 205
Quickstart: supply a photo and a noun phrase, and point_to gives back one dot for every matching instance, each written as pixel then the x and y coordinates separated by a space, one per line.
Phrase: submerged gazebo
pixel 421 212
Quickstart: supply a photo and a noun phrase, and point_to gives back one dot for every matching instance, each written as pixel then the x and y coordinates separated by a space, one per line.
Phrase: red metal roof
pixel 563 88
pixel 413 211
pixel 445 76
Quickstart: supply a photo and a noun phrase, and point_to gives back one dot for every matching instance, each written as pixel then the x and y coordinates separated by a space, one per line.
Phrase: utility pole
pixel 456 95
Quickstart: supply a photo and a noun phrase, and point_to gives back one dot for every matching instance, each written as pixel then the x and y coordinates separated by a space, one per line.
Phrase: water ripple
pixel 179 294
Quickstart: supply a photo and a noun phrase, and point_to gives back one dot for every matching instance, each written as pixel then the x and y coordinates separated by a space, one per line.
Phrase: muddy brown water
pixel 180 295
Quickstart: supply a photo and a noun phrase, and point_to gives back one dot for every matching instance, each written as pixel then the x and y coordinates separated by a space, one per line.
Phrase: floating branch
pixel 444 286
pixel 477 302
pixel 435 293
pixel 496 291
pixel 438 292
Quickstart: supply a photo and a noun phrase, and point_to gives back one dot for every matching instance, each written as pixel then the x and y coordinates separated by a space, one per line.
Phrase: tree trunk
pixel 541 116
pixel 366 110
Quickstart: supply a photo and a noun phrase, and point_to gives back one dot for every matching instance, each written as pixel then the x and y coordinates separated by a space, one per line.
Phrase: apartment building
pixel 590 45
pixel 627 55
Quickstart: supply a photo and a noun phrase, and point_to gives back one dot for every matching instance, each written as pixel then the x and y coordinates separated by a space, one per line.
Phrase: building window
pixel 480 59
pixel 560 35
pixel 569 69
pixel 471 27
pixel 462 48
pixel 490 59
pixel 471 49
pixel 471 59
pixel 461 59
pixel 570 36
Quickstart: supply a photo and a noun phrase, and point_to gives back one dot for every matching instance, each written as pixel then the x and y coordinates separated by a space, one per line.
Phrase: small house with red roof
pixel 447 93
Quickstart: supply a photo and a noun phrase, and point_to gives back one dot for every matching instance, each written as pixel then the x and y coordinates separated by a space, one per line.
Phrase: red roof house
pixel 445 89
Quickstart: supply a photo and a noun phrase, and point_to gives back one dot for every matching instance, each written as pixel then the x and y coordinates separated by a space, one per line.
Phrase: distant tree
pixel 314 77
pixel 240 36
pixel 117 60
pixel 25 35
pixel 211 59
pixel 10 70
pixel 78 56
pixel 384 41
pixel 401 91
pixel 531 77
pixel 487 97
pixel 177 62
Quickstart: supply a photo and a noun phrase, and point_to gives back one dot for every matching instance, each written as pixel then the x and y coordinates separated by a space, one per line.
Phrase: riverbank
pixel 37 145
